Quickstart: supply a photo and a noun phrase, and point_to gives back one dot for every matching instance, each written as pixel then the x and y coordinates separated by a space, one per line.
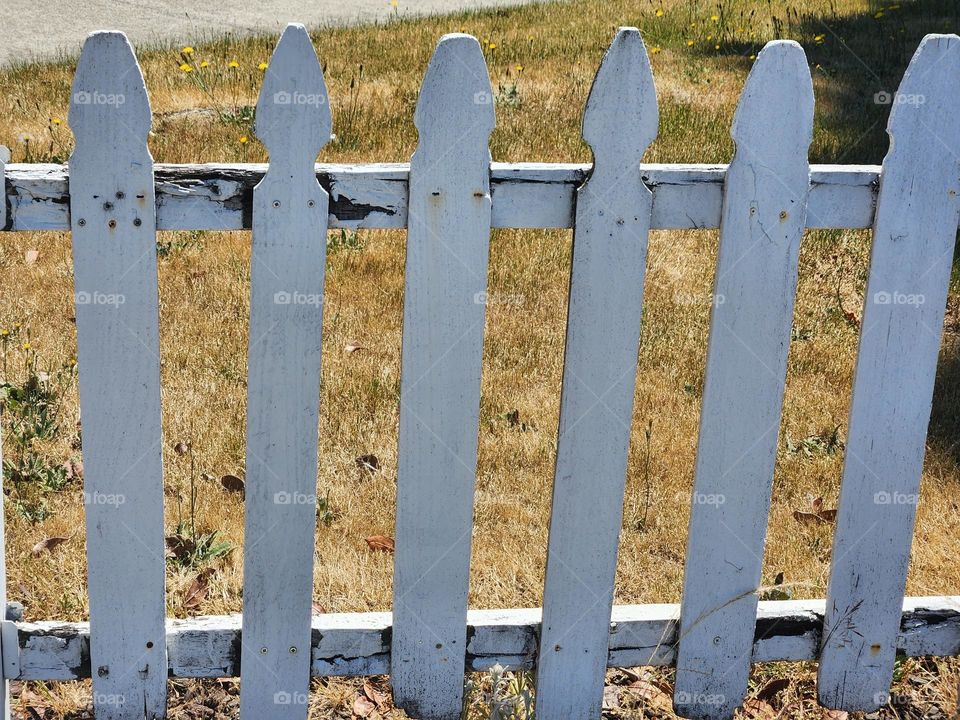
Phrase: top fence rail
pixel 525 195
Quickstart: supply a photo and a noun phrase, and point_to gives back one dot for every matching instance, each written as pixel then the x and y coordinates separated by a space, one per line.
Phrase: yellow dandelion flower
pixel 185 67
pixel 492 46
pixel 16 326
pixel 715 18
pixel 690 43
pixel 26 346
pixel 4 332
pixel 753 57
pixel 233 64
pixel 654 50
pixel 659 12
pixel 519 68
pixel 819 38
pixel 204 64
pixel 394 3
pixel 187 50
pixel 56 121
pixel 243 140
pixel 716 47
pixel 709 37
pixel 262 66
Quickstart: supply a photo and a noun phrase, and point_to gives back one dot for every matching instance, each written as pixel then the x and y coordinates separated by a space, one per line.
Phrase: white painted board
pixel 113 222
pixel 599 377
pixel 910 264
pixel 283 387
pixel 443 318
pixel 764 216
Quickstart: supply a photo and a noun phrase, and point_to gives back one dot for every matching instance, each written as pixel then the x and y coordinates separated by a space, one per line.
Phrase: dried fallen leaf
pixel 819 518
pixel 362 707
pixel 370 463
pixel 232 483
pixel 48 544
pixel 653 695
pixel 773 688
pixel 180 546
pixel 197 591
pixel 611 698
pixel 758 710
pixel 351 348
pixel 381 543
pixel 72 469
pixel 30 256
pixel 318 609
pixel 375 696
pixel 833 714
pixel 181 448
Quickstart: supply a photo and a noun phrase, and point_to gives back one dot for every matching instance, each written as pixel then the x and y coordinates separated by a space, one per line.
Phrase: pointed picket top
pixel 780 79
pixel 293 111
pixel 928 88
pixel 914 236
pixel 621 117
pixel 456 98
pixel 108 93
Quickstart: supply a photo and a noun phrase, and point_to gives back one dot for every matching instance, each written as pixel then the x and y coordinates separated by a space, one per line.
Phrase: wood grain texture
pixel 764 216
pixel 443 317
pixel 910 265
pixel 352 644
pixel 4 684
pixel 525 195
pixel 599 376
pixel 117 309
pixel 283 392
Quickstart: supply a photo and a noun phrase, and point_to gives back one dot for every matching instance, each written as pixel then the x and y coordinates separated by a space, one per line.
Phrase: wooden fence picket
pixel 113 219
pixel 443 318
pixel 4 684
pixel 599 376
pixel 286 321
pixel 764 216
pixel 913 241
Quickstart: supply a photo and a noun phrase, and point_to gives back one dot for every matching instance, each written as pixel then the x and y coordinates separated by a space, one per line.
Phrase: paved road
pixel 35 28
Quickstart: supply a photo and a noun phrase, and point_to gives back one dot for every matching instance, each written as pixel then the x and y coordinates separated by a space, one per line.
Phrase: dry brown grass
pixel 204 285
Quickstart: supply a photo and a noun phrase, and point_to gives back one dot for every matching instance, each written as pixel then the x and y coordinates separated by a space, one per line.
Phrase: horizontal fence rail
pixel 448 198
pixel 350 644
pixel 525 195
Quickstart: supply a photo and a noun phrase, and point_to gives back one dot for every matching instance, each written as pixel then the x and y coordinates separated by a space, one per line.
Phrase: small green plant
pixel 500 695
pixel 508 95
pixel 187 547
pixel 345 240
pixel 826 443
pixel 33 511
pixel 325 514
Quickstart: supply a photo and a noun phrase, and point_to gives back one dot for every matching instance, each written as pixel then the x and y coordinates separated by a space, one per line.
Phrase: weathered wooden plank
pixel 525 195
pixel 913 241
pixel 117 309
pixel 599 376
pixel 286 321
pixel 443 316
pixel 764 216
pixel 359 643
pixel 4 684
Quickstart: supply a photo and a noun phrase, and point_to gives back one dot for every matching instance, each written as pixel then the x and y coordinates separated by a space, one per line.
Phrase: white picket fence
pixel 449 198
